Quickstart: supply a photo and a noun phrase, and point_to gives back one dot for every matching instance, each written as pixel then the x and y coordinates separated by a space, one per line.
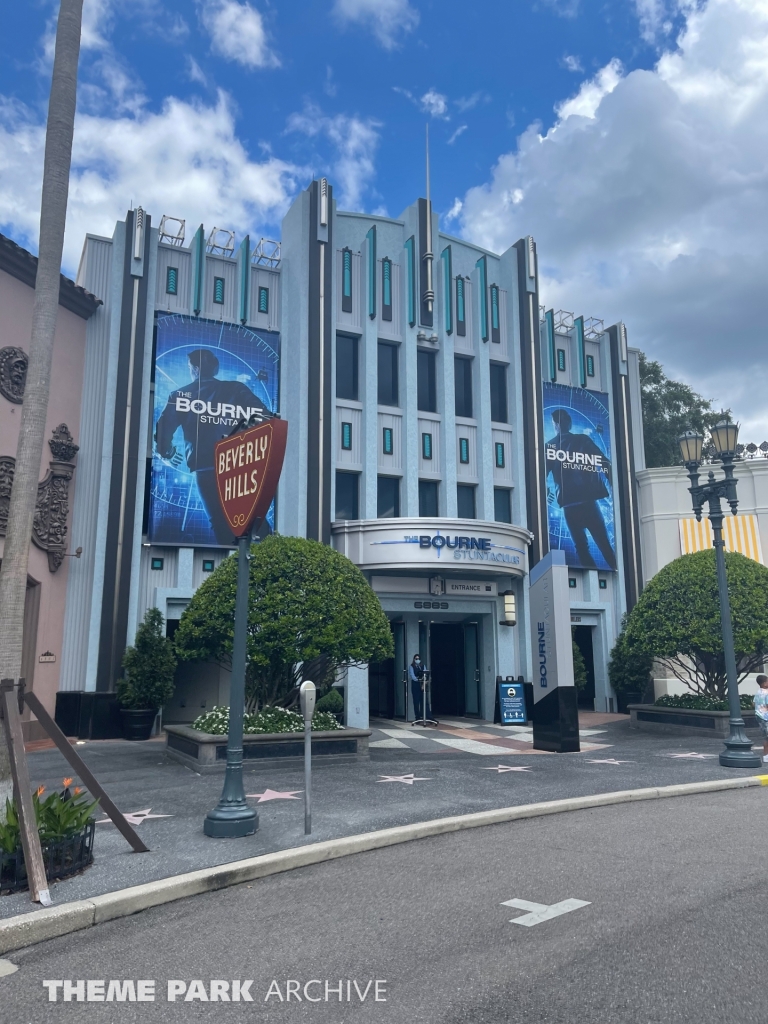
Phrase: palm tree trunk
pixel 53 213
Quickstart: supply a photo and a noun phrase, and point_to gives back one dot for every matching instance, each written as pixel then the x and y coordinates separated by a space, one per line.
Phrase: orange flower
pixel 66 782
pixel 78 791
pixel 40 790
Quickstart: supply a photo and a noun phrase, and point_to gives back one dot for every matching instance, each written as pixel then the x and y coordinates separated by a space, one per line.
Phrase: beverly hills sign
pixel 248 468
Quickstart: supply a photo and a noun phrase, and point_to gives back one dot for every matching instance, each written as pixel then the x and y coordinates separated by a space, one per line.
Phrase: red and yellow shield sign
pixel 248 468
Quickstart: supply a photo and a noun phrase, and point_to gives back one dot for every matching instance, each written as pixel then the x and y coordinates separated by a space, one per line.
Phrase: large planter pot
pixel 61 857
pixel 205 752
pixel 138 722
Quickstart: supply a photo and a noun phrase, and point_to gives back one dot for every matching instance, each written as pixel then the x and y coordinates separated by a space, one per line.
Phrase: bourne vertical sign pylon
pixel 247 466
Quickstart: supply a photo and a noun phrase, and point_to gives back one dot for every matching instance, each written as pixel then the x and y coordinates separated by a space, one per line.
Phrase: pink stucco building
pixel 50 552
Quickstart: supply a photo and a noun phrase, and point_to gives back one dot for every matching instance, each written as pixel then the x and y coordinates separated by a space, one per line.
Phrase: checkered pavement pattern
pixel 467 737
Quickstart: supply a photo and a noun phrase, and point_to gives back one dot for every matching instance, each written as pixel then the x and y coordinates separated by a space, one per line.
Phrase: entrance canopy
pixel 435 545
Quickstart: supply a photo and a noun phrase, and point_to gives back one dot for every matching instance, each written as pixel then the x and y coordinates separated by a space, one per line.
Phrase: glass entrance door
pixel 471 669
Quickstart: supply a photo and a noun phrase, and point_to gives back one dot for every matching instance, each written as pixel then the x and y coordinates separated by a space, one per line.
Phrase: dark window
pixel 561 359
pixel 263 300
pixel 465 501
pixel 172 281
pixel 495 324
pixel 388 497
pixel 387 374
pixel 499 393
pixel 157 563
pixel 387 444
pixel 208 565
pixel 590 366
pixel 346 281
pixel 464 450
pixel 463 385
pixel 346 367
pixel 218 290
pixel 572 582
pixel 428 498
pixel 426 446
pixel 347 502
pixel 346 437
pixel 461 308
pixel 499 454
pixel 425 380
pixel 502 506
pixel 603 584
pixel 386 289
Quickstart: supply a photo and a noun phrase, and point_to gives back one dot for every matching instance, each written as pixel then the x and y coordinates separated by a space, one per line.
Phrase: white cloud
pixel 434 104
pixel 459 131
pixel 355 142
pixel 195 72
pixel 237 33
pixel 387 19
pixel 647 199
pixel 571 63
pixel 654 22
pixel 454 211
pixel 465 103
pixel 184 160
pixel 590 95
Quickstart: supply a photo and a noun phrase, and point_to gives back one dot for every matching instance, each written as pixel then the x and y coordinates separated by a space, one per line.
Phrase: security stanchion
pixel 426 687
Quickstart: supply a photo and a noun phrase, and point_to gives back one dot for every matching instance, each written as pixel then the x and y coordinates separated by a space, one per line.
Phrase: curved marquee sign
pixel 443 545
pixel 247 469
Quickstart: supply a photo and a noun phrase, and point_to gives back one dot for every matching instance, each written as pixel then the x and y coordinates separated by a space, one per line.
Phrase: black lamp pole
pixel 738 751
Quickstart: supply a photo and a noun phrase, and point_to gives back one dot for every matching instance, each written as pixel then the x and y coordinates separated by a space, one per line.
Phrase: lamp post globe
pixel 738 751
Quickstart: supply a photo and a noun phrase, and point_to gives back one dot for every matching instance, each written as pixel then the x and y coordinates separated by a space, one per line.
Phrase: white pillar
pixel 356 697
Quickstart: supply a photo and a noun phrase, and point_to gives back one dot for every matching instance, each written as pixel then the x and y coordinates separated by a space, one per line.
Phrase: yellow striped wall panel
pixel 741 534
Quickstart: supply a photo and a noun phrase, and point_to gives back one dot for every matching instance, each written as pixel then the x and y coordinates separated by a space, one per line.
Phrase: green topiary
pixel 311 610
pixel 629 670
pixel 332 702
pixel 579 667
pixel 149 666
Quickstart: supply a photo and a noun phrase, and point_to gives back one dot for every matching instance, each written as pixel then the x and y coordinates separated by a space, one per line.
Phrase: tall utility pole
pixel 53 215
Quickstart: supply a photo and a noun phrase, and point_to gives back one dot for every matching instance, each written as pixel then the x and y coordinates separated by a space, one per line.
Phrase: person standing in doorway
pixel 416 675
pixel 761 711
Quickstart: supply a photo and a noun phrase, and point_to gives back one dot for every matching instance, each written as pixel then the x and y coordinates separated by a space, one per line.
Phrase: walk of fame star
pixel 407 779
pixel 271 794
pixel 134 817
pixel 506 768
pixel 693 756
pixel 609 760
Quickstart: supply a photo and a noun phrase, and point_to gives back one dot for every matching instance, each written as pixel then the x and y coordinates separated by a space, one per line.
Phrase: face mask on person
pixel 417 661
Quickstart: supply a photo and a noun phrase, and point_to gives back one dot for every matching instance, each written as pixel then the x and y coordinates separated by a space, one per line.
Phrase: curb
pixel 51 922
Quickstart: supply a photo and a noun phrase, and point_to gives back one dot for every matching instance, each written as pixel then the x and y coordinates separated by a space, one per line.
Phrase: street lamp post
pixel 738 751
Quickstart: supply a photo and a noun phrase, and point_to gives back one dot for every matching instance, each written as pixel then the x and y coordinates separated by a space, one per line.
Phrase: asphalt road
pixel 347 798
pixel 674 931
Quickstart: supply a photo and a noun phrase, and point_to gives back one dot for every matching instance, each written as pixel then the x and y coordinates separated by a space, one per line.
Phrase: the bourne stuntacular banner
pixel 207 376
pixel 578 467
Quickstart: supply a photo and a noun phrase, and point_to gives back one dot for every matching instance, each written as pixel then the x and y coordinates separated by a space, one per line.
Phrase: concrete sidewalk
pixel 421 780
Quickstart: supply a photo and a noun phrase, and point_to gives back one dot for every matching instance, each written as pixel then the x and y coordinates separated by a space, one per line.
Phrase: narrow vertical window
pixel 495 322
pixel 172 281
pixel 346 281
pixel 386 289
pixel 561 360
pixel 346 437
pixel 387 441
pixel 499 455
pixel 464 450
pixel 482 266
pixel 371 236
pixel 447 261
pixel 426 446
pixel 263 300
pixel 218 290
pixel 461 316
pixel 409 249
pixel 590 366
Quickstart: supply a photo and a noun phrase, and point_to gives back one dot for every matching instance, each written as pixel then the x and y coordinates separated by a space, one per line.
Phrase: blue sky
pixel 627 135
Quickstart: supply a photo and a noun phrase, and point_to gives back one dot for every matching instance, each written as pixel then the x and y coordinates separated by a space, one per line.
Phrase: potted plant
pixel 66 826
pixel 148 681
